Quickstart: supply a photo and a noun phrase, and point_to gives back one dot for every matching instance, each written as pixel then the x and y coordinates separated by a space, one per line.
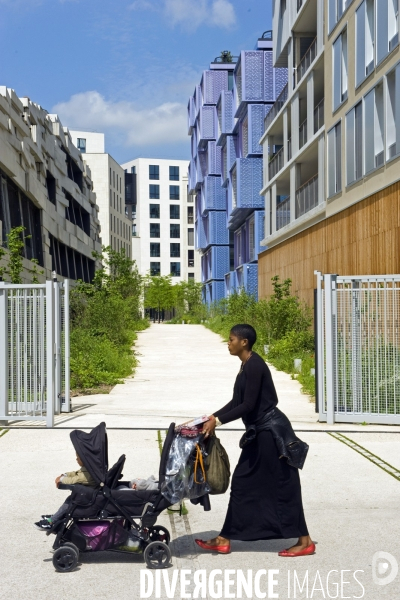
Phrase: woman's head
pixel 241 337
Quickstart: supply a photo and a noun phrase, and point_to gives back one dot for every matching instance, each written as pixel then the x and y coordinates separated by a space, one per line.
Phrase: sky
pixel 122 67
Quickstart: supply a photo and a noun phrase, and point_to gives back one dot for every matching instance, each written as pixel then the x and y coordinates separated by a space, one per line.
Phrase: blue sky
pixel 124 67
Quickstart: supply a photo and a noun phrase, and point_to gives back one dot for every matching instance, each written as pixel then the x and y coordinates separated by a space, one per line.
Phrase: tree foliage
pixel 14 265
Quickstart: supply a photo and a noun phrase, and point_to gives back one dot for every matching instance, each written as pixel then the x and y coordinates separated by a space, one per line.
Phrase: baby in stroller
pixel 83 477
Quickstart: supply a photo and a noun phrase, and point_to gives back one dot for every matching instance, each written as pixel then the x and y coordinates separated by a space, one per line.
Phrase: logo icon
pixel 384 568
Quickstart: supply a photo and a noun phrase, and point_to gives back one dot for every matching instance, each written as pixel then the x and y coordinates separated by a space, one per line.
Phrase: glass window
pixel 190 258
pixel 336 9
pixel 174 230
pixel 174 211
pixel 174 192
pixel 154 191
pixel 190 217
pixel 175 269
pixel 374 155
pixel 365 40
pixel 335 160
pixel 154 230
pixel 339 70
pixel 154 172
pixel 190 236
pixel 190 276
pixel 393 113
pixel 154 249
pixel 82 144
pixel 154 211
pixel 155 268
pixel 175 250
pixel 354 144
pixel 174 173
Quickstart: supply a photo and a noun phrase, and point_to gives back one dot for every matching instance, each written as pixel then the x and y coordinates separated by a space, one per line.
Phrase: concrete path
pixel 185 371
pixel 351 504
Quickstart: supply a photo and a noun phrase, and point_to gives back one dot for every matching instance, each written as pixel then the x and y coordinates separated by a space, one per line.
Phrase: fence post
pixel 318 350
pixel 3 353
pixel 50 354
pixel 356 347
pixel 67 401
pixel 330 345
pixel 57 348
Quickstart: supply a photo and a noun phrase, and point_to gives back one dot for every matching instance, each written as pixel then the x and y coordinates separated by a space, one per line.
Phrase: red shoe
pixel 306 552
pixel 220 549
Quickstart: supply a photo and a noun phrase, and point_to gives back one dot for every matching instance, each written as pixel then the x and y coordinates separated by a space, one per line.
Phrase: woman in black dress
pixel 265 501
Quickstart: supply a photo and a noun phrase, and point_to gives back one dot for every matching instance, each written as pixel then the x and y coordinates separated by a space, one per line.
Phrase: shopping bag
pixel 217 466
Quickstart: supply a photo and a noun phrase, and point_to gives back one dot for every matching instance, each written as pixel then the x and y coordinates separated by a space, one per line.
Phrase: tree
pixel 159 293
pixel 188 296
pixel 15 246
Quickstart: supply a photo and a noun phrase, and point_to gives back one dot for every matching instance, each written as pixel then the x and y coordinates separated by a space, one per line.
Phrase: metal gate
pixel 358 342
pixel 34 351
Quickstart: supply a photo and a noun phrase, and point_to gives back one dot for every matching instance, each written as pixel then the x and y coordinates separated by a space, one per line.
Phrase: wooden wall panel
pixel 361 240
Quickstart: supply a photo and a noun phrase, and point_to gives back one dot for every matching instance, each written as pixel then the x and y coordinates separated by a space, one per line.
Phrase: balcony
pixel 307 60
pixel 276 107
pixel 246 183
pixel 283 213
pixel 307 196
pixel 276 164
pixel 303 134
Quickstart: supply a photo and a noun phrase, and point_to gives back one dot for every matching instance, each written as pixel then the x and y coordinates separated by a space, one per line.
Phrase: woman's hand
pixel 209 426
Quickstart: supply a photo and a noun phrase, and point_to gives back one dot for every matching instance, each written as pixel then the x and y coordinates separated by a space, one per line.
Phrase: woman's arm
pixel 224 409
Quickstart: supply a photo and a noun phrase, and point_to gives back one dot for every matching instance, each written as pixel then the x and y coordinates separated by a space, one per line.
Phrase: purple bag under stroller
pixel 102 535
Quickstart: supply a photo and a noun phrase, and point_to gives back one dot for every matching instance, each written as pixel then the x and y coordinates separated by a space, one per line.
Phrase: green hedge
pixel 282 322
pixel 104 320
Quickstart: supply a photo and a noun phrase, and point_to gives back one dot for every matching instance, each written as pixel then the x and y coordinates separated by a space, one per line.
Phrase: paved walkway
pixel 351 504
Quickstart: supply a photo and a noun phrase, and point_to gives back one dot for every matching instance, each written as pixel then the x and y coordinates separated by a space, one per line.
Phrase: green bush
pixel 282 322
pixel 104 318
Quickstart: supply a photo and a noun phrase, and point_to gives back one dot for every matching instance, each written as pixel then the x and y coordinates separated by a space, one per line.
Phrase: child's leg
pixel 62 511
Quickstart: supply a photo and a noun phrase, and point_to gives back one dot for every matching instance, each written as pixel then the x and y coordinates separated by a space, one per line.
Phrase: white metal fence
pixel 358 348
pixel 34 351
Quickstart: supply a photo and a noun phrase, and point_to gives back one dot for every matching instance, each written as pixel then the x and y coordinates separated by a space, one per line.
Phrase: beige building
pixel 109 185
pixel 46 187
pixel 332 143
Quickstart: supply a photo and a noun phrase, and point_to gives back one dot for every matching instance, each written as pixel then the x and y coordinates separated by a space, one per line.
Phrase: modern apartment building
pixel 226 121
pixel 46 187
pixel 332 143
pixel 109 185
pixel 163 225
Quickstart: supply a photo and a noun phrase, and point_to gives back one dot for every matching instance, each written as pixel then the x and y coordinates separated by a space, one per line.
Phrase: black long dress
pixel 265 501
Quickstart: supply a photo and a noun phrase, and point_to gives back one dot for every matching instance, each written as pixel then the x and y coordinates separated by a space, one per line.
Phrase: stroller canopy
pixel 92 449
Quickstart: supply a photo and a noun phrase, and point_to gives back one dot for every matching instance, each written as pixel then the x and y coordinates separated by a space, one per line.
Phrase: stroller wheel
pixel 65 559
pixel 157 555
pixel 159 534
pixel 71 545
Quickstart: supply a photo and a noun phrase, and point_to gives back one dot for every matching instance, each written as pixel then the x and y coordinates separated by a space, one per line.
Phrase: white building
pixel 163 242
pixel 46 187
pixel 109 184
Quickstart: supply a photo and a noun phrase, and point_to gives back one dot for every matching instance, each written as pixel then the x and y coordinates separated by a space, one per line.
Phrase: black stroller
pixel 118 510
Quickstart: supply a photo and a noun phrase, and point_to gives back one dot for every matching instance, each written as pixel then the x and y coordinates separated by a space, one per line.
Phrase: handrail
pixel 308 182
pixel 307 60
pixel 275 164
pixel 283 213
pixel 319 115
pixel 303 133
pixel 276 107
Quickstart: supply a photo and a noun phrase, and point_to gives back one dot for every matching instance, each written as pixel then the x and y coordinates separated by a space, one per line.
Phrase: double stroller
pixel 108 518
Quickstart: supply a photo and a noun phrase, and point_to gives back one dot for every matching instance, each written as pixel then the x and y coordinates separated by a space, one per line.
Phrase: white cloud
pixel 142 5
pixel 122 121
pixel 192 13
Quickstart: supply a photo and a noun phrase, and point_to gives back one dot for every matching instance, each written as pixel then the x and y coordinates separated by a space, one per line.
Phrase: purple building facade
pixel 226 121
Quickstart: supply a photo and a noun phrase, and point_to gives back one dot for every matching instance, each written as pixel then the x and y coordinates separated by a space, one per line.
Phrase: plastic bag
pixel 185 477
